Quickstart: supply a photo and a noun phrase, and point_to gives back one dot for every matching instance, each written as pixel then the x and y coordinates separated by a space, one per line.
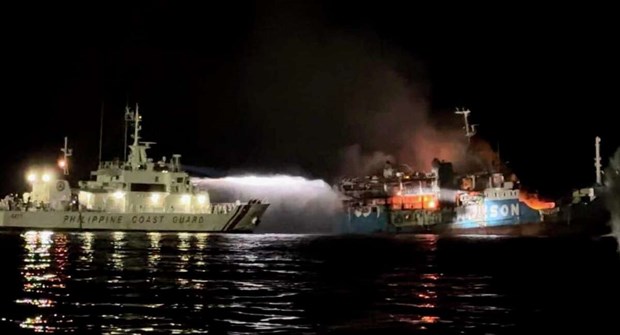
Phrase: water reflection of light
pixel 38 242
pixel 37 261
pixel 199 254
pixel 429 319
pixel 87 240
pixel 154 250
pixel 201 240
pixel 428 297
pixel 118 236
pixel 41 303
pixel 38 324
pixel 43 271
pixel 421 293
pixel 61 254
pixel 184 241
pixel 155 238
pixel 118 244
pixel 184 257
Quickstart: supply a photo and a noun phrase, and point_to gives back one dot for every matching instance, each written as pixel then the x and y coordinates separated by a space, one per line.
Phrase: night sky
pixel 291 86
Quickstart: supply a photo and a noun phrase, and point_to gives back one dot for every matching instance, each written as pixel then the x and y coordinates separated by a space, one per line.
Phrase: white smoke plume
pixel 297 204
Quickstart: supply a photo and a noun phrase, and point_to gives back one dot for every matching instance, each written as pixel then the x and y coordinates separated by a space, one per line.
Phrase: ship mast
pixel 137 156
pixel 64 163
pixel 136 127
pixel 128 118
pixel 101 133
pixel 134 156
pixel 597 159
pixel 470 130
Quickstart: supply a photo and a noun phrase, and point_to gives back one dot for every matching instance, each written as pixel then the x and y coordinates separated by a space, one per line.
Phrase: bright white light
pixel 185 198
pixel 62 163
pixel 202 199
pixel 32 177
pixel 154 197
pixel 119 194
pixel 46 177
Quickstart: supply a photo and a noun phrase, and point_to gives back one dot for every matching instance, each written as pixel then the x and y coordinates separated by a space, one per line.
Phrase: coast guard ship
pixel 400 200
pixel 137 194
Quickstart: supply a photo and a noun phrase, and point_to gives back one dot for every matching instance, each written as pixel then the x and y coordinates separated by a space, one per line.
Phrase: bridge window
pixel 138 187
pixel 156 179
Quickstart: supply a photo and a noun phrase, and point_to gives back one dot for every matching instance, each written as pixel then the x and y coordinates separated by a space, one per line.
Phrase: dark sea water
pixel 138 283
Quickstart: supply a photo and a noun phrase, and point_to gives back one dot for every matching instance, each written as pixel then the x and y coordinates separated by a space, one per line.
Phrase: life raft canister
pixel 60 185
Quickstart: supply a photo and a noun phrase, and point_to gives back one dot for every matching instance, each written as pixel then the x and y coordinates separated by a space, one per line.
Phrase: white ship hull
pixel 243 218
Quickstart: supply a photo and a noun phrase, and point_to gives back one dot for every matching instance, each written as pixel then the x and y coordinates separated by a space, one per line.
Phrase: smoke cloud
pixel 612 181
pixel 356 162
pixel 392 120
pixel 398 124
pixel 338 102
pixel 297 205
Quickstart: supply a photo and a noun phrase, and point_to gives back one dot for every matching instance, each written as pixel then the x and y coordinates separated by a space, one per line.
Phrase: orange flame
pixel 534 202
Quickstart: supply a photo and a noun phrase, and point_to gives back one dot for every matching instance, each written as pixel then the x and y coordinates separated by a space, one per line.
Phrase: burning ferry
pixel 401 200
pixel 435 202
pixel 137 194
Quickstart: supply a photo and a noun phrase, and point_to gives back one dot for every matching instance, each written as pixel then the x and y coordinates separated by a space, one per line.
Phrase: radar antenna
pixel 470 130
pixel 67 152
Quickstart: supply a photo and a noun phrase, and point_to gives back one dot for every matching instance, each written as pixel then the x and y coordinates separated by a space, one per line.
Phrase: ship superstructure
pixel 134 194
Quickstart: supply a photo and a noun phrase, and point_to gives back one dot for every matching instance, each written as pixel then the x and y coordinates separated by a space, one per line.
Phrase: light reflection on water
pixel 44 278
pixel 128 283
pixel 153 251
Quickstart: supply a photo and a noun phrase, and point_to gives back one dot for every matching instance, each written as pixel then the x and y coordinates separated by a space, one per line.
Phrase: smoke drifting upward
pixel 393 120
pixel 612 180
pixel 337 102
pixel 297 205
pixel 399 124
pixel 360 164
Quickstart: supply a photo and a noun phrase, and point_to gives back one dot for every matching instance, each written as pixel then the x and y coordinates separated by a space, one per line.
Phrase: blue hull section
pixel 372 223
pixel 491 213
pixel 496 213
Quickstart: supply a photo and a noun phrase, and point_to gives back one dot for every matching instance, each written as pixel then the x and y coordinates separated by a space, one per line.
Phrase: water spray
pixel 297 204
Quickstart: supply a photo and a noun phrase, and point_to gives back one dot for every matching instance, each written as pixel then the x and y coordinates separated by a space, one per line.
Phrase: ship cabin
pixel 394 188
pixel 416 191
pixel 152 188
pixel 491 186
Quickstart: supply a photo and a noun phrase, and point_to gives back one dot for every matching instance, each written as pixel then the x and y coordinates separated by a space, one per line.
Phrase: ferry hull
pixel 569 222
pixel 490 217
pixel 243 218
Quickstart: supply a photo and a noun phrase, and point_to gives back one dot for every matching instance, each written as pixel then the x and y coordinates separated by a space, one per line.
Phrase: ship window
pixel 156 179
pixel 137 187
pixel 180 180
